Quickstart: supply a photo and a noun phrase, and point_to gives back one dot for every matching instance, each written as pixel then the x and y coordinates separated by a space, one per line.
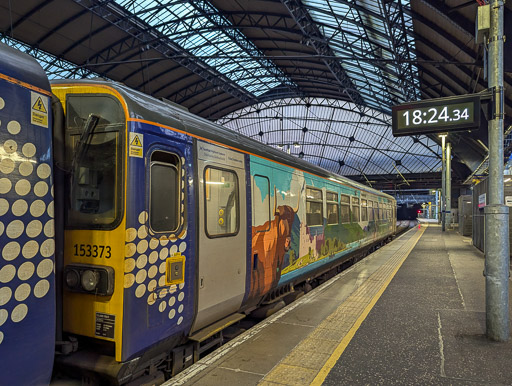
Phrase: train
pixel 133 233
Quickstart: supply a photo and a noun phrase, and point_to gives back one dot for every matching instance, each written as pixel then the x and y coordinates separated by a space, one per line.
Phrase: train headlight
pixel 72 278
pixel 88 278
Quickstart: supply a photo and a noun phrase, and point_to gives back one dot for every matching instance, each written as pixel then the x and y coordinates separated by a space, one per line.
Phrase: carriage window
pixel 221 199
pixel 371 217
pixel 261 202
pixel 345 208
pixel 94 138
pixel 364 210
pixel 164 191
pixel 332 208
pixel 314 204
pixel 377 211
pixel 355 209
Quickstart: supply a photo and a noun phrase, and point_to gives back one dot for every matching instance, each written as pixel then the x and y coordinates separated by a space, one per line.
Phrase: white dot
pixel 180 308
pixel 2 103
pixel 26 168
pixel 22 292
pixel 161 269
pixel 141 276
pixel 11 251
pixel 14 127
pixel 40 189
pixel 151 298
pixel 5 185
pixel 19 208
pixel 142 261
pixel 142 233
pixel 184 234
pixel 1 228
pixel 153 256
pixel 129 250
pixel 181 296
pixel 30 249
pixel 180 320
pixel 41 288
pixel 3 316
pixel 173 250
pixel 152 286
pixel 172 313
pixel 140 291
pixel 183 246
pixel 153 243
pixel 164 241
pixel 172 300
pixel 49 229
pixel 34 228
pixel 129 280
pixel 7 165
pixel 164 253
pixel 19 313
pixel 45 268
pixel 162 306
pixel 44 171
pixel 1 337
pixel 26 270
pixel 143 217
pixel 28 150
pixel 7 273
pixel 22 187
pixel 4 206
pixel 10 146
pixel 131 233
pixel 5 295
pixel 51 189
pixel 163 293
pixel 37 208
pixel 161 281
pixel 48 248
pixel 153 270
pixel 142 246
pixel 50 209
pixel 15 229
pixel 129 265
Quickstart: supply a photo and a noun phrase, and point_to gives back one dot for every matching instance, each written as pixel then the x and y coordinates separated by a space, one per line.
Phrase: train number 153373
pixel 89 250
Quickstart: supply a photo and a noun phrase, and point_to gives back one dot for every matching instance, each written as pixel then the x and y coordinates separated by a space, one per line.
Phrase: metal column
pixel 496 214
pixel 443 185
pixel 448 185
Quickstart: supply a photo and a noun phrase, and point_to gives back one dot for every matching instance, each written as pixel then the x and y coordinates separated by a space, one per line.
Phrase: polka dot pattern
pixel 26 226
pixel 145 267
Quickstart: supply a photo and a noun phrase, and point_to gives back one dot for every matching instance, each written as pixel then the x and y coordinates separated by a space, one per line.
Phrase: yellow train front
pixel 127 272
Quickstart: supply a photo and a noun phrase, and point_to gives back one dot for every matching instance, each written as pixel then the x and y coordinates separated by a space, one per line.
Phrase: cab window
pixel 94 141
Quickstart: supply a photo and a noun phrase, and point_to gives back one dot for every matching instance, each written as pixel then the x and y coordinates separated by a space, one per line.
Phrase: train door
pixel 222 233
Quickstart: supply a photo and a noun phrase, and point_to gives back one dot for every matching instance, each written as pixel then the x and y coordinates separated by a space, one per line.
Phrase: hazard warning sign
pixel 39 109
pixel 136 145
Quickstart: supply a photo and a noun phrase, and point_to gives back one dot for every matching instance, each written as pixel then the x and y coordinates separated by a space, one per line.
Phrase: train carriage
pixel 27 231
pixel 177 227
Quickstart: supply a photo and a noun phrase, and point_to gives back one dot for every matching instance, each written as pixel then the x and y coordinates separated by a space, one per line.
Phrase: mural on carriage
pixel 282 241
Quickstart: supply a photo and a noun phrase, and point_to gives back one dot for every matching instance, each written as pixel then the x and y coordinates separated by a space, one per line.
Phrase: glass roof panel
pixel 362 30
pixel 330 131
pixel 195 27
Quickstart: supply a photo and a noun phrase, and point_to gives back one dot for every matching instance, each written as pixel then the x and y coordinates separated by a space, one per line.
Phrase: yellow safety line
pixel 325 370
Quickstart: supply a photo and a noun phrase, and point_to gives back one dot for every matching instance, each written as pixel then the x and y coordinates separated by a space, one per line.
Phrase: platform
pixel 413 312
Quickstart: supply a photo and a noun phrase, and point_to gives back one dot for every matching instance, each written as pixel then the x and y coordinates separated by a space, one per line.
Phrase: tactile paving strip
pixel 311 360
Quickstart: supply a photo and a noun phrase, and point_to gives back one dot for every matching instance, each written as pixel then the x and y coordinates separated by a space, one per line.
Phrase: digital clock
pixel 437 115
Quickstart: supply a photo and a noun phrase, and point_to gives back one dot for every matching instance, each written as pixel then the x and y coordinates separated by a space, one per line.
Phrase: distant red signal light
pixel 419 211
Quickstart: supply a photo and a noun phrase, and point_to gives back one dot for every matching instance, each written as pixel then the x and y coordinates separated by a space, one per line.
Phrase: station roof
pixel 316 78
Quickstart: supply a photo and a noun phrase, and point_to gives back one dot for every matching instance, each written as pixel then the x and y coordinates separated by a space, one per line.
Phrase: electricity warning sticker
pixel 136 145
pixel 39 109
